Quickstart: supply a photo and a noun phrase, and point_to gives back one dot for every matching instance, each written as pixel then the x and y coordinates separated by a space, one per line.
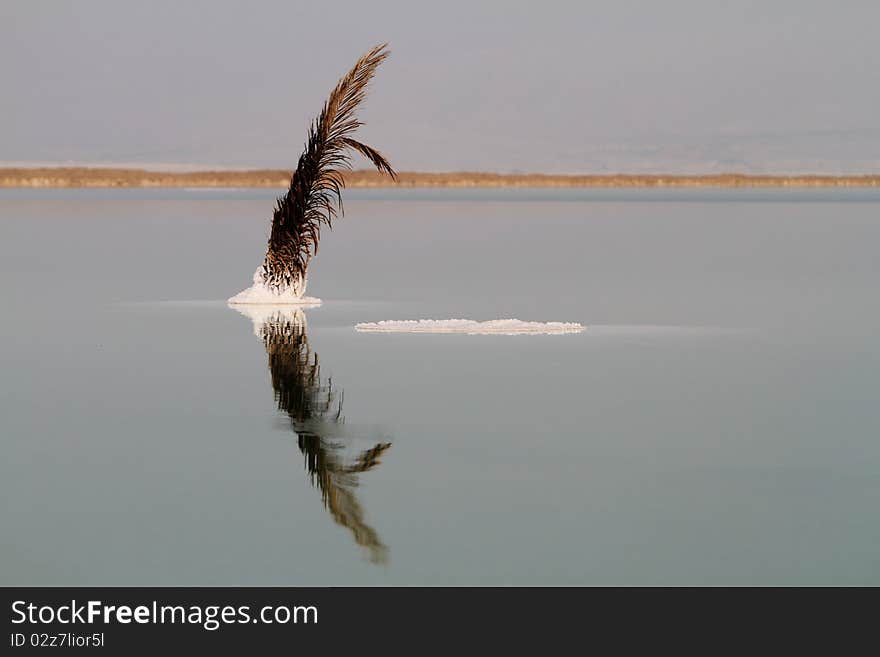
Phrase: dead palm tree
pixel 315 195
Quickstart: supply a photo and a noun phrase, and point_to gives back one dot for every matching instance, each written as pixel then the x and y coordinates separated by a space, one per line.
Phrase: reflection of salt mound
pixel 258 294
pixel 470 327
pixel 272 316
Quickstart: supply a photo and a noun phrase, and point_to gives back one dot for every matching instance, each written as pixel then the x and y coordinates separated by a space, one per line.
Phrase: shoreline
pixel 84 177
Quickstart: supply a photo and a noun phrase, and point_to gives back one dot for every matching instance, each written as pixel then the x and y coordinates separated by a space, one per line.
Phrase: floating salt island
pixel 471 327
pixel 260 294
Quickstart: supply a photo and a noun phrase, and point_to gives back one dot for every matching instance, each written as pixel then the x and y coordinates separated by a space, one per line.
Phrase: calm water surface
pixel 718 423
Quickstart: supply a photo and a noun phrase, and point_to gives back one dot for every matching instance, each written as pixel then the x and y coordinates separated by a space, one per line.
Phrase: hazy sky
pixel 680 85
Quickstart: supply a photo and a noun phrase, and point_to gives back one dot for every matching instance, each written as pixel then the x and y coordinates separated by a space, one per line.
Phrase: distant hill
pixel 279 178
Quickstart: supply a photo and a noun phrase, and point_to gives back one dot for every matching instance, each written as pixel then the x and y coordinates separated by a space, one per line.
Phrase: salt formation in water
pixel 313 406
pixel 471 327
pixel 315 195
pixel 261 294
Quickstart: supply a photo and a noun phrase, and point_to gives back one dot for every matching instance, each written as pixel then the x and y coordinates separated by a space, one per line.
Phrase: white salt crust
pixel 259 294
pixel 471 327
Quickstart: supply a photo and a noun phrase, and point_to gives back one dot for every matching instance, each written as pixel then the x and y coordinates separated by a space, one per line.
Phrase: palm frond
pixel 314 198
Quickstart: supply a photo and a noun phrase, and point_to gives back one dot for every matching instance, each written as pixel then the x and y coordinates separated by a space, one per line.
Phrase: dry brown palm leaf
pixel 315 195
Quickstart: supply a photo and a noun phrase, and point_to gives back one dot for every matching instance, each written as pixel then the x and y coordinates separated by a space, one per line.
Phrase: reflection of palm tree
pixel 315 412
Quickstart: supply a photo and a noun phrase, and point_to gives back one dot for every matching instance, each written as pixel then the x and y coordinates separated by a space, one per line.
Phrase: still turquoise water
pixel 717 423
